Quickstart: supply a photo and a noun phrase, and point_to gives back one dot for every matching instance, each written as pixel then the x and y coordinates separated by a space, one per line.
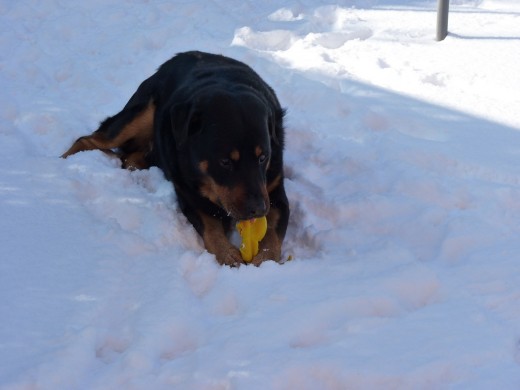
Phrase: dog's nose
pixel 257 207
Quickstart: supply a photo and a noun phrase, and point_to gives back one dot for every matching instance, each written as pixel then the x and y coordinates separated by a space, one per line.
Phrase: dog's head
pixel 228 138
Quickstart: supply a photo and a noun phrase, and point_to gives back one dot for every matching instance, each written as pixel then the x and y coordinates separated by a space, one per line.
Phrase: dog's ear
pixel 184 122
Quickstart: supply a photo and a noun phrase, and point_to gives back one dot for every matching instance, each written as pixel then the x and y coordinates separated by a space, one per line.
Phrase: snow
pixel 402 172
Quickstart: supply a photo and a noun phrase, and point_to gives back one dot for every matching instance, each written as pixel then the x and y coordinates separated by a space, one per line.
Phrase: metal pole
pixel 443 7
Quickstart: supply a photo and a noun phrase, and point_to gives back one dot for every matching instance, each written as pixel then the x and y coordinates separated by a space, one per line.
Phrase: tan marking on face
pixel 203 166
pixel 258 151
pixel 235 155
pixel 209 189
pixel 230 199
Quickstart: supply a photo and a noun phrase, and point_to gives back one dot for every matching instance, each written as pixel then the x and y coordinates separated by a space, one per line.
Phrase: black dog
pixel 215 128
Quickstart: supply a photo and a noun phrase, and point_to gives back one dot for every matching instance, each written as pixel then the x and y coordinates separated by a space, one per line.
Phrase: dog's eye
pixel 225 163
pixel 262 158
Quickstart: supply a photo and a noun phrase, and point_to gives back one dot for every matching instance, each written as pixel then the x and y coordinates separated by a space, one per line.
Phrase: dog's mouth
pixel 246 211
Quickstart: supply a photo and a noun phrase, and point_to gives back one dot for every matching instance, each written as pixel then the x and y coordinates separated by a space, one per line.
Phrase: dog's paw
pixel 266 254
pixel 231 257
pixel 270 249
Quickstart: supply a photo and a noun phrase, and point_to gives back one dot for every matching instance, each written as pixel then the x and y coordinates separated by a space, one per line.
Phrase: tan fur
pixel 222 195
pixel 271 245
pixel 135 161
pixel 235 155
pixel 140 131
pixel 216 242
pixel 203 166
pixel 258 151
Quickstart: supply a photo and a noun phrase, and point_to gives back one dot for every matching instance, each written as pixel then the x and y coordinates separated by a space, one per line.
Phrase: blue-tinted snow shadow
pixel 367 109
pixel 351 145
pixel 486 38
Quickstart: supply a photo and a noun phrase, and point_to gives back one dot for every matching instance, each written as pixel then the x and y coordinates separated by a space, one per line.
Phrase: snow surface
pixel 402 166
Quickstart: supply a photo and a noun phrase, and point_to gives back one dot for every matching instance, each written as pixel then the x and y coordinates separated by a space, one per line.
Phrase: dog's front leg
pixel 216 241
pixel 270 248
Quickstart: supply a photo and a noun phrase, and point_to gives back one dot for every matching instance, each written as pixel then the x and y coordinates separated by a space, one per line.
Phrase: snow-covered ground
pixel 403 173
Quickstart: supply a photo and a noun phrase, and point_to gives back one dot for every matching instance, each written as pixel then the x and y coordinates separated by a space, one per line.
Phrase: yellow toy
pixel 251 231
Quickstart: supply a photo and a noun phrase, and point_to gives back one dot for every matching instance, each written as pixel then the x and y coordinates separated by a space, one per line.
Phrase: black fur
pixel 217 135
